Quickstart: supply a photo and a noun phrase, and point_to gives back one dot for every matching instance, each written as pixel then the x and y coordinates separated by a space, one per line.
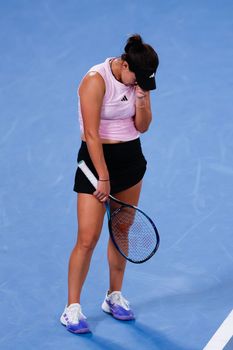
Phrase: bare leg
pixel 116 261
pixel 90 220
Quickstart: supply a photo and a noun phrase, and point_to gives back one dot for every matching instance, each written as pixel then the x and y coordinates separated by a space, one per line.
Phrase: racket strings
pixel 133 233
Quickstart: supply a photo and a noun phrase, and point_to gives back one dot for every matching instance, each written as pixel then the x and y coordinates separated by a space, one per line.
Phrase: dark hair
pixel 139 55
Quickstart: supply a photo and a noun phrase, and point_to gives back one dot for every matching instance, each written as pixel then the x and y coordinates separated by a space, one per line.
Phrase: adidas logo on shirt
pixel 124 99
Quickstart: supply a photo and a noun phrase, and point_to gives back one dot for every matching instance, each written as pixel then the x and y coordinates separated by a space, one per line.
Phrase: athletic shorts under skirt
pixel 125 162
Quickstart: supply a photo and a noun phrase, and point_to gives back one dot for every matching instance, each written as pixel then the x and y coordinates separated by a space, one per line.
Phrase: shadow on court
pixel 159 339
pixel 153 339
pixel 119 335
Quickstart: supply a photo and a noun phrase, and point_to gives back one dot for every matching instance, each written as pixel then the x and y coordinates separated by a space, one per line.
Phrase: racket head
pixel 133 233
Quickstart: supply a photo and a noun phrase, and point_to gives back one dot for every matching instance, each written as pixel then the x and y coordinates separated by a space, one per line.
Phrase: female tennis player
pixel 114 108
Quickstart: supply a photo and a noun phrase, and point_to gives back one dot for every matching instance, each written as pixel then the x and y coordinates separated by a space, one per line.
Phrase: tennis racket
pixel 133 233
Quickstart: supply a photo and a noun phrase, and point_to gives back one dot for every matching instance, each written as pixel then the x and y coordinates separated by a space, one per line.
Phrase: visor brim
pixel 145 82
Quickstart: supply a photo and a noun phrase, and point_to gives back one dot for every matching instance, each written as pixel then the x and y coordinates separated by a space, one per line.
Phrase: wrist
pixel 140 103
pixel 103 174
pixel 104 180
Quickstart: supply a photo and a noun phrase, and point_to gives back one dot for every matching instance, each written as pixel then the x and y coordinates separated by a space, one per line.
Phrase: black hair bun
pixel 140 56
pixel 134 42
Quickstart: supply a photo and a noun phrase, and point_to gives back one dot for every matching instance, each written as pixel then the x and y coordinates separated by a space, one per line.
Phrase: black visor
pixel 145 79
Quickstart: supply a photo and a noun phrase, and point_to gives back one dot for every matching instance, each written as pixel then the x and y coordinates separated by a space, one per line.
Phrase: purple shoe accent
pixel 119 312
pixel 78 328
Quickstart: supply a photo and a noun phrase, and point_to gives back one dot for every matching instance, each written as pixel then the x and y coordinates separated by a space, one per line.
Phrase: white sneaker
pixel 116 305
pixel 74 320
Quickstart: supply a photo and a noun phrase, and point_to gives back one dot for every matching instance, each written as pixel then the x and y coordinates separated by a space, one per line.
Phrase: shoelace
pixel 75 314
pixel 118 298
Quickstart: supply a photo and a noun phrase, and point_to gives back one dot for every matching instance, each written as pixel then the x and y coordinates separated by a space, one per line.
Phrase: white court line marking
pixel 222 335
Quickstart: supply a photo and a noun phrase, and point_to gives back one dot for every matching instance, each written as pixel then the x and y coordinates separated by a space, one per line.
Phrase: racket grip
pixel 91 177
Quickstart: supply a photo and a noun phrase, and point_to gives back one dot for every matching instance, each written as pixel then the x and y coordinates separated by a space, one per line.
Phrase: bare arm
pixel 91 92
pixel 143 115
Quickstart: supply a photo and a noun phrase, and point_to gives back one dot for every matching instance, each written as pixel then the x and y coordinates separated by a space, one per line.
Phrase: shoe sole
pixel 107 310
pixel 81 331
pixel 121 318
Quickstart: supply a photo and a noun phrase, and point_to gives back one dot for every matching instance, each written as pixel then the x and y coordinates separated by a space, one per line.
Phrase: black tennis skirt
pixel 125 162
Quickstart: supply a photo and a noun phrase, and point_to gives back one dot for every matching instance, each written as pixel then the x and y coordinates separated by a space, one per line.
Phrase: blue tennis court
pixel 184 293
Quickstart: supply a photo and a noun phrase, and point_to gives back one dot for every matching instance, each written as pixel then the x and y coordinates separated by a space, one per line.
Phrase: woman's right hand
pixel 103 190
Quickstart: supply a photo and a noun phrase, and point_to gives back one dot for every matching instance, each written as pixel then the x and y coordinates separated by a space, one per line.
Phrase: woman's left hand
pixel 103 190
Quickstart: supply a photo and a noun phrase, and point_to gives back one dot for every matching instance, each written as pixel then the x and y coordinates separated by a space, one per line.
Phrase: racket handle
pixel 91 177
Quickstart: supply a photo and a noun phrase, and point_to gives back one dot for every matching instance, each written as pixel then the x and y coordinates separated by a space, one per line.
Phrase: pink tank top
pixel 118 108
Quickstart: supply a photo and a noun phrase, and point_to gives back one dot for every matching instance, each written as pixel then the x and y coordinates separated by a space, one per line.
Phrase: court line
pixel 222 336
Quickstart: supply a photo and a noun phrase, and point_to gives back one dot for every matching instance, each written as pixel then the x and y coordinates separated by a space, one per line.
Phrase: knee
pixel 87 242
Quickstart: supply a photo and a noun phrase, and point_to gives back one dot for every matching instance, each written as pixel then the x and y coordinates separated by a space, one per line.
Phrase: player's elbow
pixel 141 129
pixel 144 130
pixel 142 123
pixel 143 126
pixel 91 135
